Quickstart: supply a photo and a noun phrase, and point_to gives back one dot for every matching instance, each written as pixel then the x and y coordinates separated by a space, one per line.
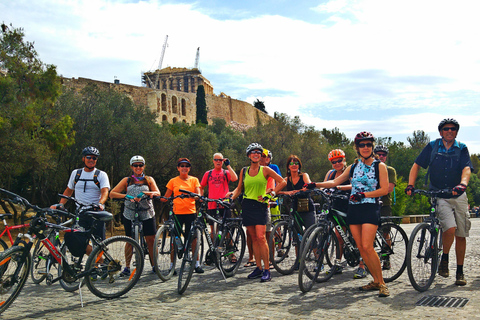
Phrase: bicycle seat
pixel 99 215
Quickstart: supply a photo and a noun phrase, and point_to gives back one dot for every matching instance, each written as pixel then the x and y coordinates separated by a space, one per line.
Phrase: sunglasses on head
pixel 91 157
pixel 336 161
pixel 294 163
pixel 256 152
pixel 136 165
pixel 449 129
pixel 217 159
pixel 363 145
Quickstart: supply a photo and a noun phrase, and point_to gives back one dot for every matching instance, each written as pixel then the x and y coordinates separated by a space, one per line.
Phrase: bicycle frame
pixel 8 228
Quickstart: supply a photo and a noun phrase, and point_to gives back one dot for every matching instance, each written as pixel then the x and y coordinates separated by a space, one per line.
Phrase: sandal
pixel 250 264
pixel 233 259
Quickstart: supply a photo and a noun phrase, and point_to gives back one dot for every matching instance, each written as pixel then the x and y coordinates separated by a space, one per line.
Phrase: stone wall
pixel 178 106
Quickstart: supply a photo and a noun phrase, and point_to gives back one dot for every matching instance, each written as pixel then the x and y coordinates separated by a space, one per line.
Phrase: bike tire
pixel 68 283
pixel 234 242
pixel 3 246
pixel 107 261
pixel 306 235
pixel 11 264
pixel 422 260
pixel 188 263
pixel 332 252
pixel 40 258
pixel 164 253
pixel 285 246
pixel 392 251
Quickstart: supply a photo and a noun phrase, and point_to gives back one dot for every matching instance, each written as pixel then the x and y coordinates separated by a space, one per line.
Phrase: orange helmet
pixel 334 154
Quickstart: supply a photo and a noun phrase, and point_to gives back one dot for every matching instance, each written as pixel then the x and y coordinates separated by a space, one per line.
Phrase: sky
pixel 388 67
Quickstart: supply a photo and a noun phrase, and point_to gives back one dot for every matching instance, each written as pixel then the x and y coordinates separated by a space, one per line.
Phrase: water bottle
pixel 178 242
pixel 300 237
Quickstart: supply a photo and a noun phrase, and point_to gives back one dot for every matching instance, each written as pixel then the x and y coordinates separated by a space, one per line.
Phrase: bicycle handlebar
pixel 432 193
pixel 203 198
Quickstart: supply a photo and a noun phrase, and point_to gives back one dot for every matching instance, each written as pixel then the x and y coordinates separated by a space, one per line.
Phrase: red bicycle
pixel 4 217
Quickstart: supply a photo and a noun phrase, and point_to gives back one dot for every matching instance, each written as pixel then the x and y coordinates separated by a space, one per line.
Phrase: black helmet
pixel 380 148
pixel 364 135
pixel 448 121
pixel 90 151
pixel 253 146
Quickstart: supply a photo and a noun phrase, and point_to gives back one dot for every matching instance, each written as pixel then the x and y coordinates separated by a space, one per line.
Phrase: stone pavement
pixel 209 297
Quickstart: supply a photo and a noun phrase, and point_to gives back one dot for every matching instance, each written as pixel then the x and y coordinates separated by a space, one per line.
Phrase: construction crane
pixel 197 57
pixel 163 53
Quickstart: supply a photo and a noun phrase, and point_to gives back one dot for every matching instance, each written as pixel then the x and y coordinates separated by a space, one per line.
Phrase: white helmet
pixel 137 159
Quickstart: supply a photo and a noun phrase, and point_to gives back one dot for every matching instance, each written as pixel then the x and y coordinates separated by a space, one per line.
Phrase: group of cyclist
pixel 367 181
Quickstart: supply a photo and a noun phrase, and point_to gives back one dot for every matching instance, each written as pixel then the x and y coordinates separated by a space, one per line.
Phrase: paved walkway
pixel 209 297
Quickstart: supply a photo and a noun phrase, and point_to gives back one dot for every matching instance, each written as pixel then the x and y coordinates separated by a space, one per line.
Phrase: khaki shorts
pixel 453 213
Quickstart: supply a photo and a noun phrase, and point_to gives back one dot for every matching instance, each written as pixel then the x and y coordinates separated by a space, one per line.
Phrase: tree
pixel 260 105
pixel 201 103
pixel 32 128
pixel 336 138
pixel 419 140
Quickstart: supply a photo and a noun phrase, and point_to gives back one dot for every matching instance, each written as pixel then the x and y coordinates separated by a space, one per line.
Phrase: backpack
pixel 434 154
pixel 95 178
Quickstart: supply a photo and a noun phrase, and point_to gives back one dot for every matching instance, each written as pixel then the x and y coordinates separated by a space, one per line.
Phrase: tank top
pixel 146 206
pixel 255 186
pixel 298 186
pixel 364 180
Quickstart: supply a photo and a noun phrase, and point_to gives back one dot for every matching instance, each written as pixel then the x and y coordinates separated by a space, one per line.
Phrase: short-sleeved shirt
pixel 217 184
pixel 275 168
pixel 87 191
pixel 187 205
pixel 446 168
pixel 392 178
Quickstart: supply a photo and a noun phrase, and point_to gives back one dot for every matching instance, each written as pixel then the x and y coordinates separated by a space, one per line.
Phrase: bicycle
pixel 425 245
pixel 323 247
pixel 286 238
pixel 102 268
pixel 231 240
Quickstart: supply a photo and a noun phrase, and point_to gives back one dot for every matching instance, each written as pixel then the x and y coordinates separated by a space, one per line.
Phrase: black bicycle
pixel 230 242
pixel 425 245
pixel 102 269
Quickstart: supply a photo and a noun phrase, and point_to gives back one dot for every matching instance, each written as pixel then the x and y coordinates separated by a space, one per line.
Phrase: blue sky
pixel 389 67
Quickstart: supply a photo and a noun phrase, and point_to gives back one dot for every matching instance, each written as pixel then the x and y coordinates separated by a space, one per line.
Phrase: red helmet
pixel 334 154
pixel 364 135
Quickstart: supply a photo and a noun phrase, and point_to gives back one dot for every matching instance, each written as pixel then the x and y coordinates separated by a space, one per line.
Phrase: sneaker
pixel 125 272
pixel 266 276
pixel 199 270
pixel 338 270
pixel 443 269
pixel 321 268
pixel 257 273
pixel 460 280
pixel 383 291
pixel 93 277
pixel 153 269
pixel 386 265
pixel 360 273
pixel 371 286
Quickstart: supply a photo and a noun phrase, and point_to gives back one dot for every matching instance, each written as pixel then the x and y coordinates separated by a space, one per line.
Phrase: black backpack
pixel 224 173
pixel 95 178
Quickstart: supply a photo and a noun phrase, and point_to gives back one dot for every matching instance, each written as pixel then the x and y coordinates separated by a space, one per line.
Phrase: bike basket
pixel 76 242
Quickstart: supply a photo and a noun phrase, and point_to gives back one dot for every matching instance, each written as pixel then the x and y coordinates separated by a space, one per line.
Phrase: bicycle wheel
pixel 107 261
pixel 189 259
pixel 307 234
pixel 13 274
pixel 164 253
pixel 40 258
pixel 284 248
pixel 3 246
pixel 233 244
pixel 391 246
pixel 68 282
pixel 422 257
pixel 332 251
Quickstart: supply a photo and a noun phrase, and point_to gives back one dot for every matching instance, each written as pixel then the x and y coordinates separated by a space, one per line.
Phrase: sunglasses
pixel 256 152
pixel 337 161
pixel 217 159
pixel 363 145
pixel 383 155
pixel 294 163
pixel 138 165
pixel 449 129
pixel 184 166
pixel 91 158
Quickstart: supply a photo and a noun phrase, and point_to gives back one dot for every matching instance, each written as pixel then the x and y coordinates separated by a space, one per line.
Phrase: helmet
pixel 364 135
pixel 267 153
pixel 334 154
pixel 253 146
pixel 380 148
pixel 90 151
pixel 448 121
pixel 137 159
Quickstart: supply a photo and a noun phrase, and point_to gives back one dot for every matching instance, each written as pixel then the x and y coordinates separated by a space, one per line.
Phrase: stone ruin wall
pixel 233 111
